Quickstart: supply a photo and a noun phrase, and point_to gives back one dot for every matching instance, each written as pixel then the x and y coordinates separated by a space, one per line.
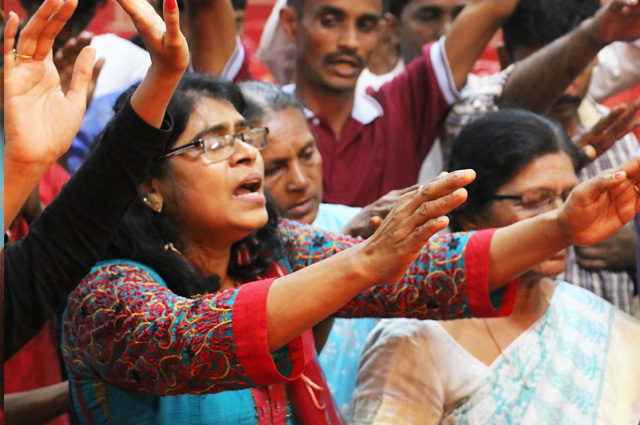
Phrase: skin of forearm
pixel 212 34
pixel 152 96
pixel 298 301
pixel 37 406
pixel 553 67
pixel 471 32
pixel 520 246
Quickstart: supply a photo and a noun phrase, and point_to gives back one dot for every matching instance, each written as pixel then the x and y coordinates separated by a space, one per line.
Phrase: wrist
pixel 558 231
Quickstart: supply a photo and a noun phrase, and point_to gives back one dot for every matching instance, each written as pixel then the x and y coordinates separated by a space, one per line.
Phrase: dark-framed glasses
pixel 222 146
pixel 535 199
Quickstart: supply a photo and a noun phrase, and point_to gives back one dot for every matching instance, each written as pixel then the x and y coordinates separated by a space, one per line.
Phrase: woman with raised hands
pixel 204 291
pixel 40 123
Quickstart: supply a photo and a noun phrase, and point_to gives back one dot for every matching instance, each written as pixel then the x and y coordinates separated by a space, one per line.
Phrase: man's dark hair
pixel 143 234
pixel 239 4
pixel 397 6
pixel 536 23
pixel 498 146
pixel 298 5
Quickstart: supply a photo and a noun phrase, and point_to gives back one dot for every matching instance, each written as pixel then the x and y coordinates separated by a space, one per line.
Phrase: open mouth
pixel 249 187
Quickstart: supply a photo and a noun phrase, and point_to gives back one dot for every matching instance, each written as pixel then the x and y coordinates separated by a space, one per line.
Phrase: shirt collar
pixel 365 107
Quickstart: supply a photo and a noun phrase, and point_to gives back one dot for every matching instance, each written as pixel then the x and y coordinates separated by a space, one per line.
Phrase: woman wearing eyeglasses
pixel 565 356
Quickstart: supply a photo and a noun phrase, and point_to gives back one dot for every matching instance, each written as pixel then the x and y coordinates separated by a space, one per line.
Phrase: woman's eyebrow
pixel 213 129
pixel 241 123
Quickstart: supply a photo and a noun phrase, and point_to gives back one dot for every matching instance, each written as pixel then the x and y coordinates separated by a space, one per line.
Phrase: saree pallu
pixel 581 361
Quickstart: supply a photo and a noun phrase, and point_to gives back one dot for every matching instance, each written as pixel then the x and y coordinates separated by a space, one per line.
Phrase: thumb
pixel 82 71
pixel 604 183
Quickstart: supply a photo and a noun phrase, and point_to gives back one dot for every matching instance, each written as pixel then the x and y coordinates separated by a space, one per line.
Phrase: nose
pixel 297 179
pixel 243 153
pixel 349 38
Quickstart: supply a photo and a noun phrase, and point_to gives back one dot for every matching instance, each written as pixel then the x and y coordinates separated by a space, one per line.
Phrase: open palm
pixel 600 206
pixel 33 84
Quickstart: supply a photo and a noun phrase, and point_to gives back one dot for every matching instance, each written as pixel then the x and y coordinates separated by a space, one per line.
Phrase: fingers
pixel 68 53
pixel 173 36
pixel 438 207
pixel 97 69
pixel 144 17
pixel 441 186
pixel 82 72
pixel 10 30
pixel 52 28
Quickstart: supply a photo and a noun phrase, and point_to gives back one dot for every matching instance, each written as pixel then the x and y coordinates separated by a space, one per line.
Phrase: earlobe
pixel 151 196
pixel 289 22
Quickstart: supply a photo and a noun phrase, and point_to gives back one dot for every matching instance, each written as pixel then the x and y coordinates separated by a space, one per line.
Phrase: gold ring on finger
pixel 17 55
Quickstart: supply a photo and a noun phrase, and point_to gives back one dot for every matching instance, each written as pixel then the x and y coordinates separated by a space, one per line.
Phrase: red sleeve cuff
pixel 249 322
pixel 477 267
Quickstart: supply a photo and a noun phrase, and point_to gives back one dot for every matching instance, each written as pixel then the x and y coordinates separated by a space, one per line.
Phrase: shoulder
pixel 112 274
pixel 394 333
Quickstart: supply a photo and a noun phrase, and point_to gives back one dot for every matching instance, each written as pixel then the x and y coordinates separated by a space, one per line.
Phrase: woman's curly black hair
pixel 152 239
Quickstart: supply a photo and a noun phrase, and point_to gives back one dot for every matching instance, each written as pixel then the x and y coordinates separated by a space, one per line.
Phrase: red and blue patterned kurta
pixel 128 339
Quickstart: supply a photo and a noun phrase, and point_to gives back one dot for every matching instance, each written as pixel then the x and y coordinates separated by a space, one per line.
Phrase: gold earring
pixel 153 201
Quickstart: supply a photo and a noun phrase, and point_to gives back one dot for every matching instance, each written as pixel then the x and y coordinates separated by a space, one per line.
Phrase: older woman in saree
pixel 564 356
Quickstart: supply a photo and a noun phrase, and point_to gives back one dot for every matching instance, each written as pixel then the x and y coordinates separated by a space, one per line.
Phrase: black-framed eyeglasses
pixel 221 146
pixel 536 199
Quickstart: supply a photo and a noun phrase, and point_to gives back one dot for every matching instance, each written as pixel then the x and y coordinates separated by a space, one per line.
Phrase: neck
pixel 334 105
pixel 532 302
pixel 211 261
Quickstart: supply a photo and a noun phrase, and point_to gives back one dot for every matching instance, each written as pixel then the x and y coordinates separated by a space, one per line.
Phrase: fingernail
pixel 617 176
pixel 171 4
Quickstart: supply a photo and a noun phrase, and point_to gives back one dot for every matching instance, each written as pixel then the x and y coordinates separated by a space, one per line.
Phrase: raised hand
pixel 169 57
pixel 65 58
pixel 365 223
pixel 617 21
pixel 40 119
pixel 600 206
pixel 609 130
pixel 418 215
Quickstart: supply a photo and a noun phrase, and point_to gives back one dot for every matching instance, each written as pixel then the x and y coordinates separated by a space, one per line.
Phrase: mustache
pixel 342 56
pixel 569 99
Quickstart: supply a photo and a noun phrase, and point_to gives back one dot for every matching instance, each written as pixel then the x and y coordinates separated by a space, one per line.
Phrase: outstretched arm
pixel 596 209
pixel 567 56
pixel 470 33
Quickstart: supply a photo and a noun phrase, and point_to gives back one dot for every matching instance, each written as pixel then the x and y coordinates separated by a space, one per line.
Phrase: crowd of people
pixel 349 226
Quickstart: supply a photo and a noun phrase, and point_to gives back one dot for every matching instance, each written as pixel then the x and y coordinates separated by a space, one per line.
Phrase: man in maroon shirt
pixel 376 143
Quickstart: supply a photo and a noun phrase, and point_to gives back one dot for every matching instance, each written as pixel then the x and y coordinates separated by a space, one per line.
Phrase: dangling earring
pixel 153 201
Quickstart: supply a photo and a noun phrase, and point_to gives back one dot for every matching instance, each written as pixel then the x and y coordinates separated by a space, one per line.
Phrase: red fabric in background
pixel 38 363
pixel 627 97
